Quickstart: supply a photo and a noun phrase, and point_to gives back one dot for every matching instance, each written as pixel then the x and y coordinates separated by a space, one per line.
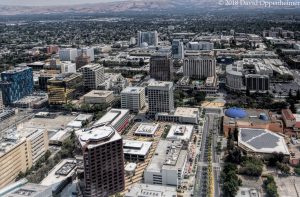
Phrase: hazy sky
pixel 50 2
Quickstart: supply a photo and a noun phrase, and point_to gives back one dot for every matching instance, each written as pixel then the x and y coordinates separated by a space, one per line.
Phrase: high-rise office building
pixel 257 83
pixel 151 38
pixel 161 67
pixel 93 76
pixel 177 49
pixel 68 54
pixel 82 60
pixel 103 163
pixel 199 67
pixel 133 98
pixel 1 102
pixel 161 97
pixel 16 84
pixel 64 87
pixel 88 52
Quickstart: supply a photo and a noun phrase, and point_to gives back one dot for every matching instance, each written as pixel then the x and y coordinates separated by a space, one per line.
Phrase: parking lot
pixel 284 88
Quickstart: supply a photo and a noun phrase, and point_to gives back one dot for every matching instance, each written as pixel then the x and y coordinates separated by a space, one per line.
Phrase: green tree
pixel 47 155
pixel 230 180
pixel 236 134
pixel 251 166
pixel 271 187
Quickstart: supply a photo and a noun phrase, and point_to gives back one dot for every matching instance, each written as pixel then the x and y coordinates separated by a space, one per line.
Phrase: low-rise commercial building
pixel 146 129
pixel 167 165
pixel 146 190
pixel 251 118
pixel 22 188
pixel 180 133
pixel 117 118
pixel 99 97
pixel 180 115
pixel 136 150
pixel 288 118
pixel 262 143
pixel 35 101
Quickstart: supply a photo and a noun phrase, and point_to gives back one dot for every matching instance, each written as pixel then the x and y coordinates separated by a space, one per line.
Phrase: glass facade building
pixel 16 84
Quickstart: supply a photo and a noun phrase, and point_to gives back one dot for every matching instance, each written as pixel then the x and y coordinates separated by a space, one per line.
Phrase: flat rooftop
pixel 97 135
pixel 16 70
pixel 136 147
pixel 168 155
pixel 99 93
pixel 13 137
pixel 60 172
pixel 133 90
pixel 28 190
pixel 186 112
pixel 29 99
pixel 64 77
pixel 83 117
pixel 146 129
pixel 180 132
pixel 147 190
pixel 61 135
pixel 262 141
pixel 165 84
pixel 112 117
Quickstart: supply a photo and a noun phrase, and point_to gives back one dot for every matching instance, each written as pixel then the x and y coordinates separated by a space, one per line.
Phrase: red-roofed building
pixel 288 118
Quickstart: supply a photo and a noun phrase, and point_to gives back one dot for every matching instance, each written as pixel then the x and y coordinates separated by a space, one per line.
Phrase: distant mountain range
pixel 106 7
pixel 115 7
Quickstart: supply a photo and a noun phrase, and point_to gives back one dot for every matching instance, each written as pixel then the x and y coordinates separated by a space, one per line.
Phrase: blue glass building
pixel 16 84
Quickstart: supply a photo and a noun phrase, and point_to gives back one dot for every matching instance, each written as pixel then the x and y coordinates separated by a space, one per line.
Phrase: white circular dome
pixel 144 45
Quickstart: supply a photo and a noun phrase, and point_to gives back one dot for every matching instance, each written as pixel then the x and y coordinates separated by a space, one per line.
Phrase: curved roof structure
pixel 235 112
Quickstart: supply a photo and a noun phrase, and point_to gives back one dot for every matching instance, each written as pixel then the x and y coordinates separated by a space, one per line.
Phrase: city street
pixel 201 189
